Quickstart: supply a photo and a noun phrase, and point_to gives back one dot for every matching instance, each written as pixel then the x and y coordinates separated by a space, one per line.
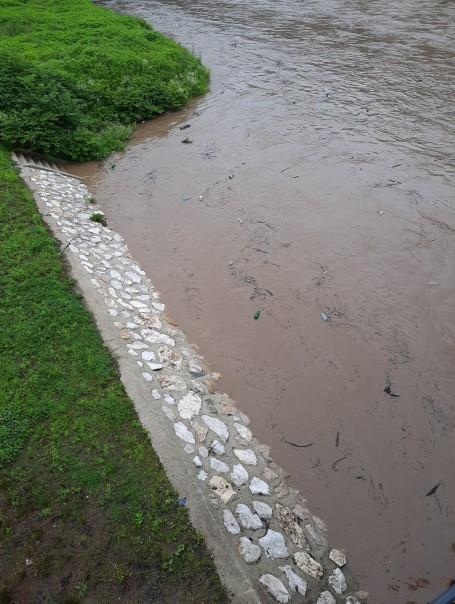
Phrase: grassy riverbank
pixel 75 77
pixel 86 510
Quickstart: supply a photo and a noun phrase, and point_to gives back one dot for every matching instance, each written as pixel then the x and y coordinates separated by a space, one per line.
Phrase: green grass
pixel 83 496
pixel 75 77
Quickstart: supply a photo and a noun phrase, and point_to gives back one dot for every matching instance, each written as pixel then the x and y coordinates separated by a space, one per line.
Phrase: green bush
pixel 74 77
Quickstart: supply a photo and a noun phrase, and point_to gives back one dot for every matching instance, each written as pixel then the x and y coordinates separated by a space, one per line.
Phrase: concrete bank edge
pixel 244 581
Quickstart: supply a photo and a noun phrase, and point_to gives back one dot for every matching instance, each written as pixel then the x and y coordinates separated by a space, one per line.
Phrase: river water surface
pixel 320 180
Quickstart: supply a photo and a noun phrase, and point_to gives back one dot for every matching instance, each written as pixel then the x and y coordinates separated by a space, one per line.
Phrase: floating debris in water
pixel 433 490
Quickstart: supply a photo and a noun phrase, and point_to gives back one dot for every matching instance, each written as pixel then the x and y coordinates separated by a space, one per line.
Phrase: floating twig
pixel 433 490
pixel 288 442
pixel 335 463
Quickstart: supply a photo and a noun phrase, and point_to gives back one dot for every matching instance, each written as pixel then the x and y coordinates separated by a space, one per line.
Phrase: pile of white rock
pixel 284 545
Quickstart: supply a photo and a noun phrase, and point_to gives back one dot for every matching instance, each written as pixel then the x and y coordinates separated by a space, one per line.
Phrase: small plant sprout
pixel 82 588
pixel 99 217
pixel 139 519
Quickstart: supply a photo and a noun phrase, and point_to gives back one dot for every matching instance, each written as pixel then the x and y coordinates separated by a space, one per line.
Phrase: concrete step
pixel 25 161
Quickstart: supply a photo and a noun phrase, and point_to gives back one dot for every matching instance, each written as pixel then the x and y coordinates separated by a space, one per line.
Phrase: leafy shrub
pixel 75 77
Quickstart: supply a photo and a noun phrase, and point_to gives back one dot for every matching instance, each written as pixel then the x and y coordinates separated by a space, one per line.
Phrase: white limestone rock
pixel 296 583
pixel 199 386
pixel 194 368
pixel 172 382
pixel 202 475
pixel 189 405
pixel 124 304
pixel 203 451
pixel 183 433
pixel 154 366
pixel 320 524
pixel 115 275
pixel 275 588
pixel 263 510
pixel 246 517
pixel 326 598
pixel 222 488
pixel 169 399
pixel 197 461
pixel 200 430
pixel 259 487
pixel 337 581
pixel 228 407
pixel 231 524
pixel 239 475
pixel 315 536
pixel 281 490
pixel 218 447
pixel 290 524
pixel 156 394
pixel 243 431
pixel 150 322
pixel 155 337
pixel 148 355
pixel 218 465
pixel 248 550
pixel 188 449
pixel 274 545
pixel 140 305
pixel 338 557
pixel 216 425
pixel 147 377
pixel 167 356
pixel 352 600
pixel 246 456
pixel 308 565
pixel 138 345
pixel 133 276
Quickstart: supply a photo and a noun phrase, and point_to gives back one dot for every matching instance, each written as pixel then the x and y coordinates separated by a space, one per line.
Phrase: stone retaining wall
pixel 267 544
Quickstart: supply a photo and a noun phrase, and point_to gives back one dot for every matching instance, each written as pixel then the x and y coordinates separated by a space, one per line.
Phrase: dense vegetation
pixel 75 77
pixel 86 510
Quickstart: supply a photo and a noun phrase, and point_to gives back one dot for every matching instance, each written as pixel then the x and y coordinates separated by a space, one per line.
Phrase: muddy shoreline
pixel 319 180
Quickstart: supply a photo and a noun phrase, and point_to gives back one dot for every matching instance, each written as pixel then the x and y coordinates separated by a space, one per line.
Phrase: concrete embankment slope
pixel 266 543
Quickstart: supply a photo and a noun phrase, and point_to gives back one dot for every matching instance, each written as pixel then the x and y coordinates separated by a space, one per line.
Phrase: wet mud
pixel 319 190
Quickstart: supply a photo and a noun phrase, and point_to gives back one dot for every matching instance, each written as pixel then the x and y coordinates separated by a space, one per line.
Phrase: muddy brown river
pixel 318 190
